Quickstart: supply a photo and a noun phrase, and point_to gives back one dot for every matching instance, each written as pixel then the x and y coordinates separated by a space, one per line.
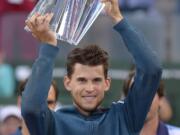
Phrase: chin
pixel 91 107
pixel 88 108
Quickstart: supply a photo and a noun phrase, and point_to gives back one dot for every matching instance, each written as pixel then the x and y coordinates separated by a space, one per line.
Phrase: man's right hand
pixel 112 9
pixel 39 26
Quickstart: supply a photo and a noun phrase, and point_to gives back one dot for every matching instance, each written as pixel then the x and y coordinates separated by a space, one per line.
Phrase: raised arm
pixel 147 77
pixel 148 70
pixel 34 107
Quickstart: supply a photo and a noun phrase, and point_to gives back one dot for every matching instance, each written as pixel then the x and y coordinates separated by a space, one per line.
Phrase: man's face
pixel 87 86
pixel 51 100
pixel 154 109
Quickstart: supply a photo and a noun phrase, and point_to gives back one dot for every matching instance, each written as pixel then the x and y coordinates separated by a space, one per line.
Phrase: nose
pixel 89 87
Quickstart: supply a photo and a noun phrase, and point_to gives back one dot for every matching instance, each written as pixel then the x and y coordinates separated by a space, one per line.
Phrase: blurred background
pixel 158 21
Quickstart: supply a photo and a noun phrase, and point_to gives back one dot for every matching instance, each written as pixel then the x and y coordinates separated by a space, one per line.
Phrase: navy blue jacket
pixel 121 118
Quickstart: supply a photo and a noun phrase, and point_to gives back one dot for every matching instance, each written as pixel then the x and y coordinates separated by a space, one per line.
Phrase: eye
pixel 97 80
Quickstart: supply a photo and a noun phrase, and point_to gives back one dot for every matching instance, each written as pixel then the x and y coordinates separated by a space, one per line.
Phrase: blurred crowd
pixel 9 28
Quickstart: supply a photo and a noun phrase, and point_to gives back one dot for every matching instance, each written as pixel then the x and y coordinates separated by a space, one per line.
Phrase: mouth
pixel 89 98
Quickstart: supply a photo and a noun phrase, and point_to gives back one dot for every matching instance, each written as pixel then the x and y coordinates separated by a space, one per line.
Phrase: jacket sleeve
pixel 146 81
pixel 34 106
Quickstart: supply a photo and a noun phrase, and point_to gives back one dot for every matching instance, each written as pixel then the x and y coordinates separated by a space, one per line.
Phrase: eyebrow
pixel 94 79
pixel 81 79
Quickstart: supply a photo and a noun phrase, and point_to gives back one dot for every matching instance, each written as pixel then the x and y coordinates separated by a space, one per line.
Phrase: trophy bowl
pixel 72 18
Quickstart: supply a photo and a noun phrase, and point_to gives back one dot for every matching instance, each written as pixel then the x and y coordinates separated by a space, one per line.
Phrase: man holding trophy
pixel 87 80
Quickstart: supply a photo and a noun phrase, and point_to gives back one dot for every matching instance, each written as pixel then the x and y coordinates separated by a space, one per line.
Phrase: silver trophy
pixel 72 18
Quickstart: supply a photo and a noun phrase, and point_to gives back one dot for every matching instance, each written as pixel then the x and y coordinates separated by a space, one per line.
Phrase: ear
pixel 67 81
pixel 107 83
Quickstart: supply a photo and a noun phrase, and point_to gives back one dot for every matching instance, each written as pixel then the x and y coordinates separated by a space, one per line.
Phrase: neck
pixel 83 112
pixel 150 126
pixel 24 129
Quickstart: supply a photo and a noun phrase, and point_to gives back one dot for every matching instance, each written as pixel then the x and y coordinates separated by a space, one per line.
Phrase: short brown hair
pixel 90 55
pixel 128 82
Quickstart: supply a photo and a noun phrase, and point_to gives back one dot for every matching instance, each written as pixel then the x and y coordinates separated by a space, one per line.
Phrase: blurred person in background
pixel 52 100
pixel 165 110
pixel 153 124
pixel 1 128
pixel 142 14
pixel 7 79
pixel 1 122
pixel 178 6
pixel 9 6
pixel 136 5
pixel 10 118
